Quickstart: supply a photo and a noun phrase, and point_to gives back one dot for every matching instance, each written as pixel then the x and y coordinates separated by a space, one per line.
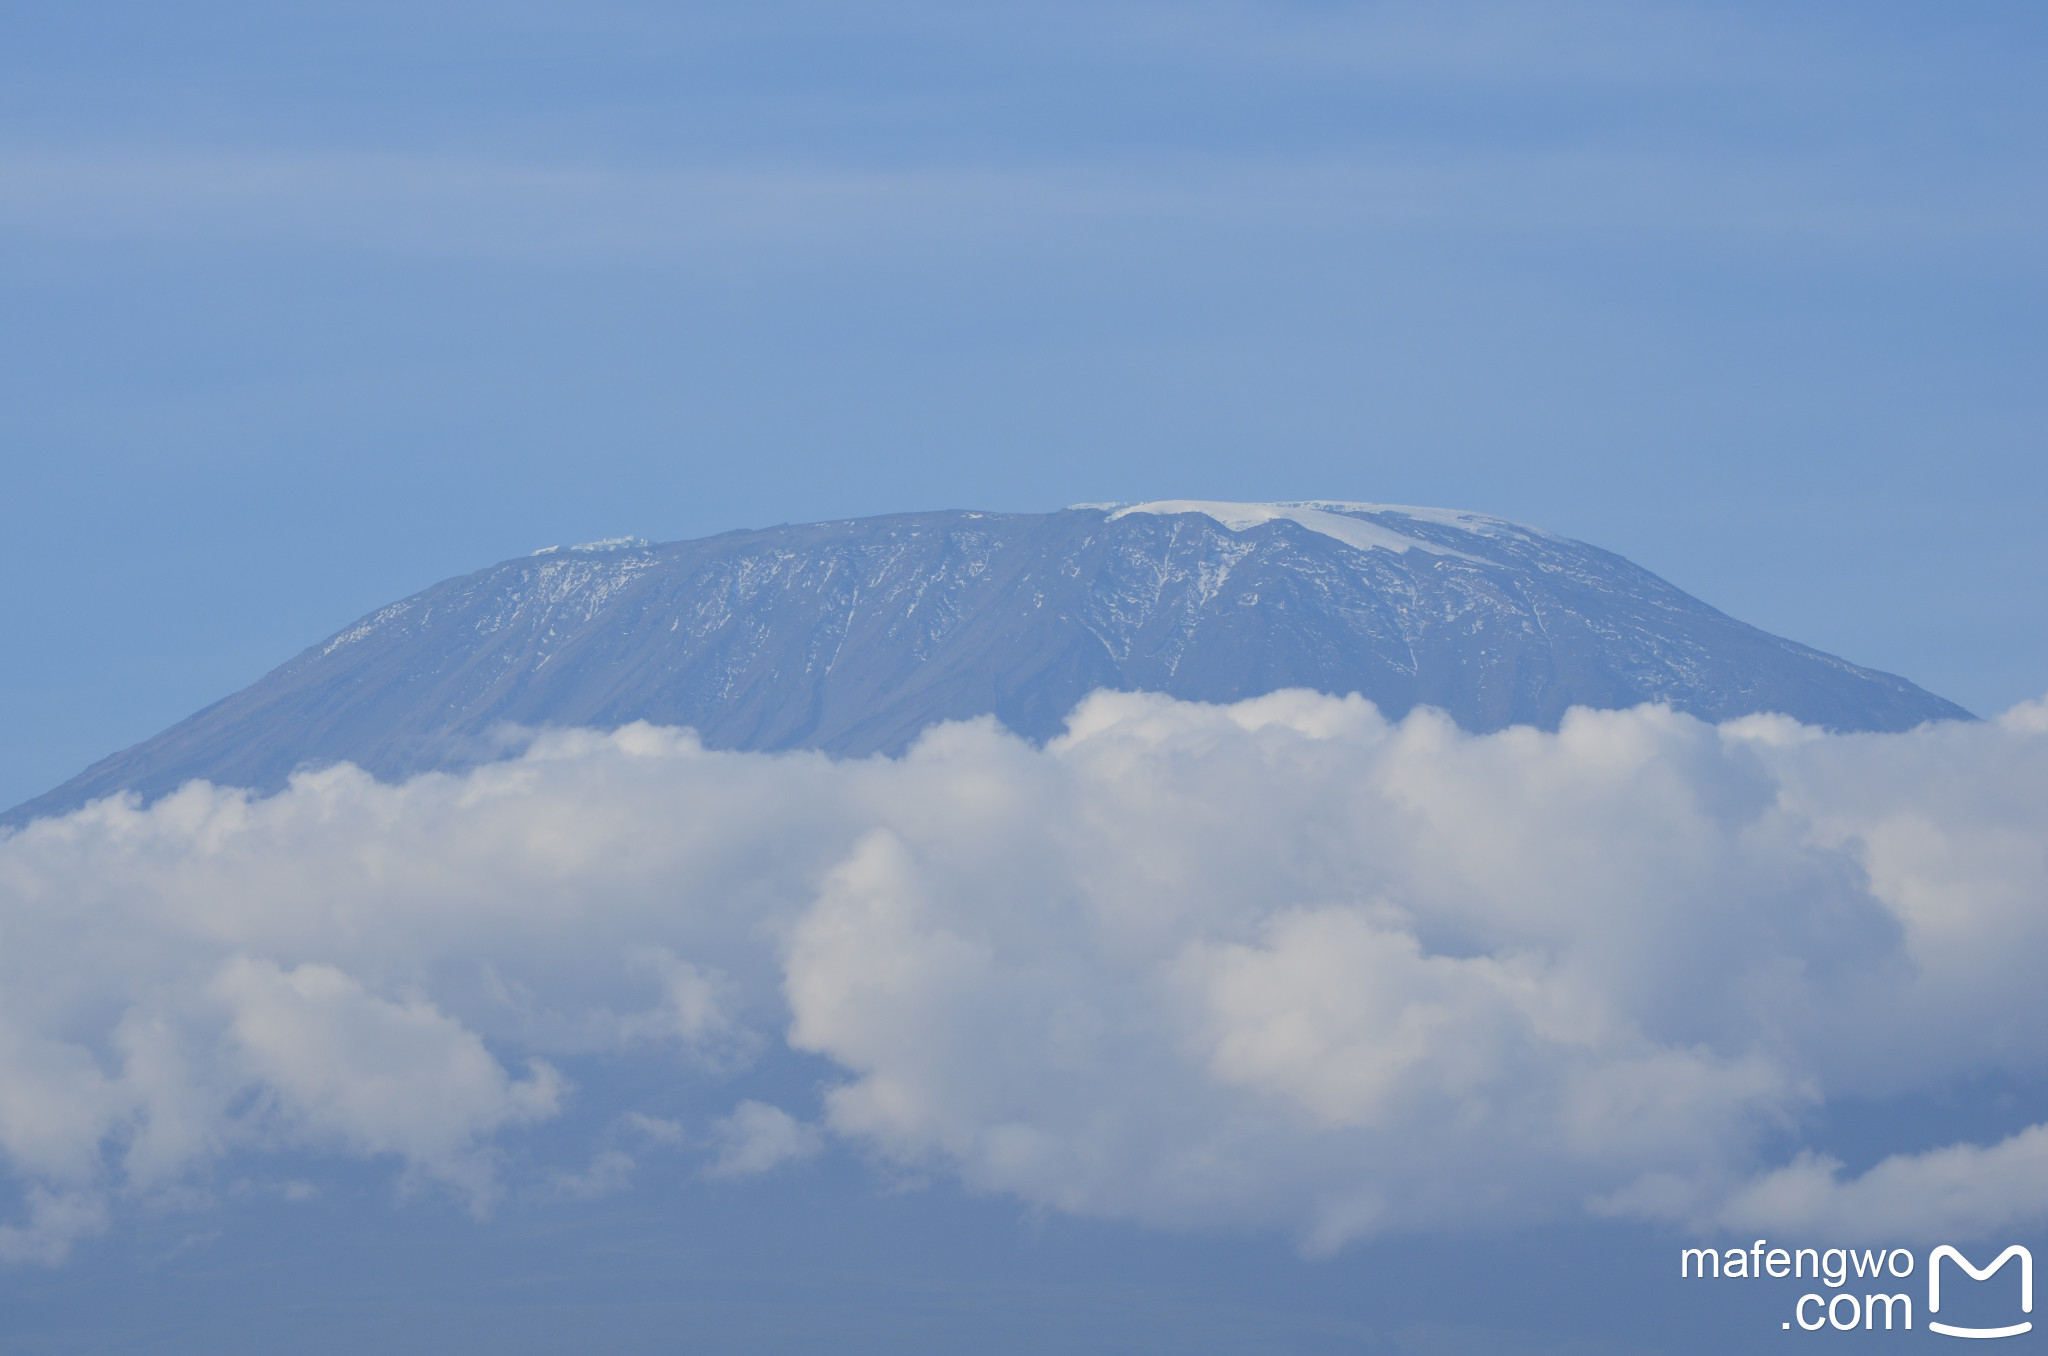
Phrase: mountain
pixel 853 636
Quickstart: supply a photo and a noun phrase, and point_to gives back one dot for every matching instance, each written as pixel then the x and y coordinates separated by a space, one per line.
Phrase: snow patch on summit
pixel 604 544
pixel 1331 518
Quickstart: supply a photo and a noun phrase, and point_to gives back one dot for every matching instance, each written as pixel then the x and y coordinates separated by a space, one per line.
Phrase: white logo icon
pixel 2026 1289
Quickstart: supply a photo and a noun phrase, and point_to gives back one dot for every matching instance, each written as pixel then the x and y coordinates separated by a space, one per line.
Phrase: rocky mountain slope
pixel 854 636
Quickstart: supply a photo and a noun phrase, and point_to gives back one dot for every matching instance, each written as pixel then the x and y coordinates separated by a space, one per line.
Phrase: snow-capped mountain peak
pixel 854 636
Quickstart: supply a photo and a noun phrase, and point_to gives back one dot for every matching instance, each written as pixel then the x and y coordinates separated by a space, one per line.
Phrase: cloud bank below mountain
pixel 1282 965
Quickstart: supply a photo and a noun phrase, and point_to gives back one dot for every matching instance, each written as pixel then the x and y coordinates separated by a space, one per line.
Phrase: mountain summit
pixel 853 636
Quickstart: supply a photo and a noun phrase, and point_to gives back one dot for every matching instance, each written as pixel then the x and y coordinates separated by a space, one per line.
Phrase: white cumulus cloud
pixel 759 1138
pixel 1277 965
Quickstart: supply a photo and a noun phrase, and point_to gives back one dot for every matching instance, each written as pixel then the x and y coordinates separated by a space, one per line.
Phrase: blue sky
pixel 303 309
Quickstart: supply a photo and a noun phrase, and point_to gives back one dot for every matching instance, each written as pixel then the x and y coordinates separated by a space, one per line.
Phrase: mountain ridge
pixel 853 635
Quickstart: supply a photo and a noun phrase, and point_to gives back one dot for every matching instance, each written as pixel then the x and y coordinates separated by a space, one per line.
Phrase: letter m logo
pixel 2026 1289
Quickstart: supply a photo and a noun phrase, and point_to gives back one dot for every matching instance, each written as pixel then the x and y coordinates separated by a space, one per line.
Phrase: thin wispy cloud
pixel 570 213
pixel 1595 119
